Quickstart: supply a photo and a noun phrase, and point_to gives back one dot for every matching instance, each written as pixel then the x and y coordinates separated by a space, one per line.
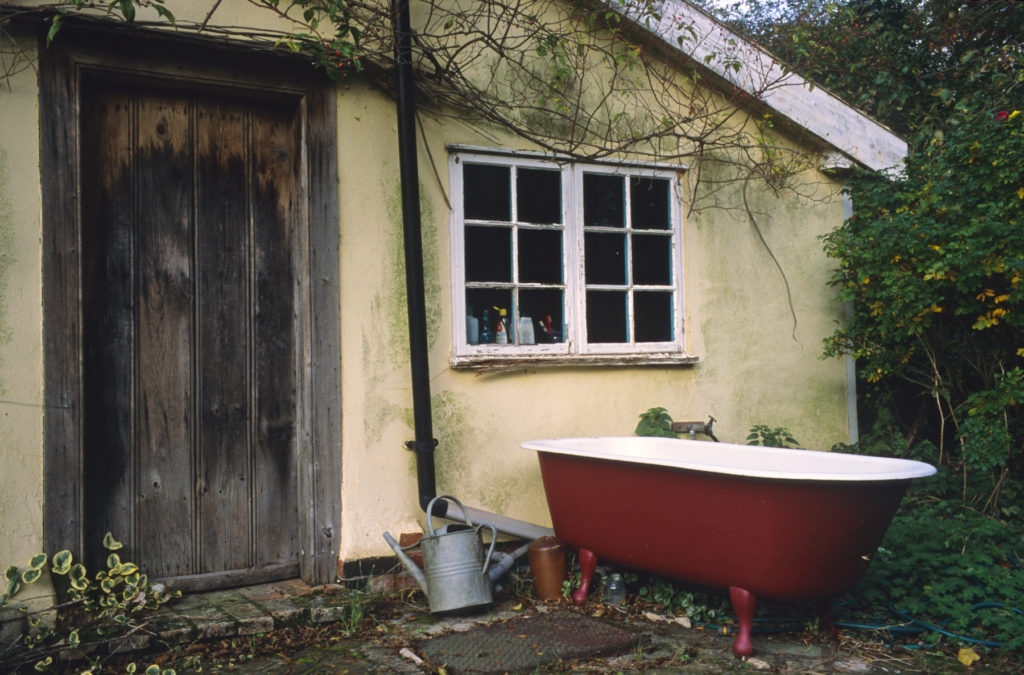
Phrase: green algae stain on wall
pixel 396 297
pixel 456 433
pixel 380 413
pixel 385 338
pixel 6 255
pixel 389 302
pixel 465 464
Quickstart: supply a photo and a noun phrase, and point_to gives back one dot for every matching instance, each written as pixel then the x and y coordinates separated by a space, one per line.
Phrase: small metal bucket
pixel 455 565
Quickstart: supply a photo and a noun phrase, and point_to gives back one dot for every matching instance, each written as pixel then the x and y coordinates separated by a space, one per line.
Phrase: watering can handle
pixel 430 511
pixel 494 540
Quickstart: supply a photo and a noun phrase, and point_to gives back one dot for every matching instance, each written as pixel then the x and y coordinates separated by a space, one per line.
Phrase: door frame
pixel 148 56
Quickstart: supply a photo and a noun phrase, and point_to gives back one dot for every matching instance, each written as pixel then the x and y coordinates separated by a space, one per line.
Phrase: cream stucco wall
pixel 21 364
pixel 755 366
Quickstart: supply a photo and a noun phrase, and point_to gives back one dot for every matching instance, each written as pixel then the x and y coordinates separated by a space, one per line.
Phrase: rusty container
pixel 548 567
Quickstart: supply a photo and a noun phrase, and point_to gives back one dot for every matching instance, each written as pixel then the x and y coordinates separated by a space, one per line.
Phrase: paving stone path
pixel 506 639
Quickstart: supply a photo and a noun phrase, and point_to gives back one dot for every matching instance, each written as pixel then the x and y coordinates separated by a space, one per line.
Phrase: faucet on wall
pixel 694 428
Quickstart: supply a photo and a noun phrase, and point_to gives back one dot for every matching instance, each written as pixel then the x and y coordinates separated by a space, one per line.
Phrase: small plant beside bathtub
pixel 772 437
pixel 655 422
pixel 700 605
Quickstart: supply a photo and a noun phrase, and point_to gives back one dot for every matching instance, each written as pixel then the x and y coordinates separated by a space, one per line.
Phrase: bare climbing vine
pixel 578 78
pixel 582 79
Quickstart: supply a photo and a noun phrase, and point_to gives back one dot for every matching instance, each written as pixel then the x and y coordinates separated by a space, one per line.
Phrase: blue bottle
pixel 485 329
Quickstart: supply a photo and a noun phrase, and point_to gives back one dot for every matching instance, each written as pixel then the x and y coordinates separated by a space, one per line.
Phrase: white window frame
pixel 574 348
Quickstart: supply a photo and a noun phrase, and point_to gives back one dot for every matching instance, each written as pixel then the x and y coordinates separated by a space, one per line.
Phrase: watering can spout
pixel 411 566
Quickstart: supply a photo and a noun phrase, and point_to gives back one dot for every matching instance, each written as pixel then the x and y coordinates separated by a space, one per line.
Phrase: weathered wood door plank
pixel 163 413
pixel 225 474
pixel 278 254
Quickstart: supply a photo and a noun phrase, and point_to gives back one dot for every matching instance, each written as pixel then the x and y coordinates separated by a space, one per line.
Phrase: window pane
pixel 540 256
pixel 652 259
pixel 606 316
pixel 545 309
pixel 487 192
pixel 649 203
pixel 483 300
pixel 605 258
pixel 652 314
pixel 603 201
pixel 488 253
pixel 539 195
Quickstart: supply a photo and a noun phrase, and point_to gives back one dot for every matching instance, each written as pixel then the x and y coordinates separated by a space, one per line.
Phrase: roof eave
pixel 715 48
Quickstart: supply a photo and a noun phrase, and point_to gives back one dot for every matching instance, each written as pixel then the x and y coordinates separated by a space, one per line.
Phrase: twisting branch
pixel 581 78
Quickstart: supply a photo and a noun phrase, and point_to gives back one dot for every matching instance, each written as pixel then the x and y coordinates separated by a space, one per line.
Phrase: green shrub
pixel 933 262
pixel 105 609
pixel 948 566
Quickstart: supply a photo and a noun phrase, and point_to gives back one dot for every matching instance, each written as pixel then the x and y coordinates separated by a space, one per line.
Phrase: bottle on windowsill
pixel 501 333
pixel 485 329
pixel 472 327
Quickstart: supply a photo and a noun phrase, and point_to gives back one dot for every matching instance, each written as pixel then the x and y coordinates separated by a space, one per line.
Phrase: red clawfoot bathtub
pixel 762 522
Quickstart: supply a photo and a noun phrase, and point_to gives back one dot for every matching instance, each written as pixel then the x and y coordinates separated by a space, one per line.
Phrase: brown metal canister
pixel 547 565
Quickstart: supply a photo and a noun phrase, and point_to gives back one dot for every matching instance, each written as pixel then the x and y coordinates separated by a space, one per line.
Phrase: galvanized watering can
pixel 454 574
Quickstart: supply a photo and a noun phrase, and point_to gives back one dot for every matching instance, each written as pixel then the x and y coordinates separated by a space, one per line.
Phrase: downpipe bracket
pixel 426 447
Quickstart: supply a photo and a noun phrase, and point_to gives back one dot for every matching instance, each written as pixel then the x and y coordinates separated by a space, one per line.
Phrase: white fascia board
pixel 716 48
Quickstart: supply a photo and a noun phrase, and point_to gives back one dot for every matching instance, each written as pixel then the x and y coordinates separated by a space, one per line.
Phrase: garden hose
pixel 914 625
pixel 909 626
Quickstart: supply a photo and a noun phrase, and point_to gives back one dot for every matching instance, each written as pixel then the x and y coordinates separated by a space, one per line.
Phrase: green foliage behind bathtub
pixel 950 567
pixel 655 422
pixel 772 437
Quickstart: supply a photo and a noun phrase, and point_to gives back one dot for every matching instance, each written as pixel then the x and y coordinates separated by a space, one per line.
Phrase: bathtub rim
pixel 700 456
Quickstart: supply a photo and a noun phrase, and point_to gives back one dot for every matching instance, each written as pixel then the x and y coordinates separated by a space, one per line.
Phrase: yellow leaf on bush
pixel 967 656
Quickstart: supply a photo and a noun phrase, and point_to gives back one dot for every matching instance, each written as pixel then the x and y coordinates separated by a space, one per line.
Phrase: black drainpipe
pixel 424 442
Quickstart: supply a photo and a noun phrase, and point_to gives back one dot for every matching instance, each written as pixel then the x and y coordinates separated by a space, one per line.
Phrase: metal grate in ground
pixel 526 643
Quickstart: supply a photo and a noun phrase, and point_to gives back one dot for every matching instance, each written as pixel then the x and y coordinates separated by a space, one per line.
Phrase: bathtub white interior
pixel 739 460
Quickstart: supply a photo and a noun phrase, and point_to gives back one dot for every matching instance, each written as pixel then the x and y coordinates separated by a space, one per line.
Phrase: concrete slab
pixel 350 657
pixel 275 590
pixel 792 648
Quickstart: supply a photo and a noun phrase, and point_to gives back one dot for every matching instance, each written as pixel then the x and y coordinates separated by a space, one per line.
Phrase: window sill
pixel 490 362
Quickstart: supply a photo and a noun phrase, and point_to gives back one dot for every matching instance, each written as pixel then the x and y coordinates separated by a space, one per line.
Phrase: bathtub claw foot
pixel 588 563
pixel 744 602
pixel 825 618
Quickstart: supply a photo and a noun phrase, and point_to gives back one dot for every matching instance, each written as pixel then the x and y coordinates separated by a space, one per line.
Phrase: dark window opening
pixel 580 258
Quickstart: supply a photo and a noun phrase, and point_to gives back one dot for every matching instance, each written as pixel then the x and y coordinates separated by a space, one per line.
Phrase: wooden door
pixel 192 319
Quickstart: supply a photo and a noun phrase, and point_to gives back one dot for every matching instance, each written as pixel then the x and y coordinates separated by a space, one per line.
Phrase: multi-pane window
pixel 558 259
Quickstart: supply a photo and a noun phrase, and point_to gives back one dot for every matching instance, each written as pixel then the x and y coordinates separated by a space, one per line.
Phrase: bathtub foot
pixel 825 618
pixel 744 602
pixel 588 563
